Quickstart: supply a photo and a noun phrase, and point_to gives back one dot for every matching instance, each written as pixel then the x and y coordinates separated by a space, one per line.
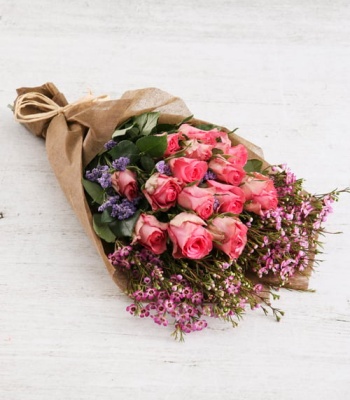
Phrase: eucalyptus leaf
pixel 106 217
pixel 169 128
pixel 217 151
pixel 154 146
pixel 125 148
pixel 124 228
pixel 147 122
pixel 147 163
pixel 102 229
pixel 94 190
pixel 253 165
pixel 208 127
pixel 120 132
pixel 185 120
pixel 133 132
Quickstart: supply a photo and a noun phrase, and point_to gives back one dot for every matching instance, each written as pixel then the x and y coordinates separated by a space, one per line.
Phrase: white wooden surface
pixel 279 70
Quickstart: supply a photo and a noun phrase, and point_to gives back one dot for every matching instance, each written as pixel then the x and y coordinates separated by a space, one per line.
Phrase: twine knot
pixel 46 108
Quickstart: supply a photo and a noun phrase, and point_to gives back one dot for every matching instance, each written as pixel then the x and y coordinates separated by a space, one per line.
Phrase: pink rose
pixel 231 198
pixel 124 183
pixel 223 142
pixel 199 200
pixel 230 235
pixel 151 233
pixel 260 193
pixel 197 150
pixel 189 237
pixel 161 191
pixel 190 132
pixel 173 144
pixel 188 170
pixel 239 155
pixel 227 172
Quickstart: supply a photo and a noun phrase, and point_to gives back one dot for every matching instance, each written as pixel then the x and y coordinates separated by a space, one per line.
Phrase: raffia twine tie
pixel 48 107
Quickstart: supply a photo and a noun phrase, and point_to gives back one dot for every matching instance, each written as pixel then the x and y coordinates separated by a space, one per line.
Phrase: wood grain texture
pixel 280 71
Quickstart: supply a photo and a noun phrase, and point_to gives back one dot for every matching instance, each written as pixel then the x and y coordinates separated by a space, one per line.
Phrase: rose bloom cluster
pixel 201 183
pixel 205 237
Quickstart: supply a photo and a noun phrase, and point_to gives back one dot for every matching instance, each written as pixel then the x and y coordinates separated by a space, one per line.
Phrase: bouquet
pixel 188 217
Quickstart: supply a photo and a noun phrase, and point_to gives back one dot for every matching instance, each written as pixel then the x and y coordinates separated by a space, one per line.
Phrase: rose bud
pixel 190 132
pixel 223 142
pixel 199 200
pixel 124 183
pixel 161 191
pixel 238 155
pixel 230 235
pixel 197 150
pixel 188 170
pixel 260 193
pixel 231 198
pixel 189 237
pixel 173 144
pixel 227 172
pixel 151 233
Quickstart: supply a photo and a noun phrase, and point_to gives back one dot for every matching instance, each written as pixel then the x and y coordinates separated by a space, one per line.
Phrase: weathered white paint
pixel 278 70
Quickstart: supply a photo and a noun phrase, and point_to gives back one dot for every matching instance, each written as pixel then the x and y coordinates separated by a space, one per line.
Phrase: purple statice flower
pixel 105 180
pixel 209 176
pixel 216 204
pixel 121 163
pixel 96 173
pixel 163 168
pixel 109 203
pixel 110 144
pixel 120 209
pixel 123 210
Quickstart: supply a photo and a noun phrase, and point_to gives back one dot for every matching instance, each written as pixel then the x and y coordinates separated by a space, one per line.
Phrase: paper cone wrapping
pixel 76 133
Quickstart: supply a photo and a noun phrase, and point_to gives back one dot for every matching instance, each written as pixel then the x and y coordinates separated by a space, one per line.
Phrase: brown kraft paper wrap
pixel 75 134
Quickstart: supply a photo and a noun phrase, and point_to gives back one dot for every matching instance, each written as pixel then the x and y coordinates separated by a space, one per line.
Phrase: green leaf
pixel 94 190
pixel 217 151
pixel 169 128
pixel 253 165
pixel 124 228
pixel 185 120
pixel 207 127
pixel 125 148
pixel 147 122
pixel 120 132
pixel 106 217
pixel 147 163
pixel 102 229
pixel 154 146
pixel 133 132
